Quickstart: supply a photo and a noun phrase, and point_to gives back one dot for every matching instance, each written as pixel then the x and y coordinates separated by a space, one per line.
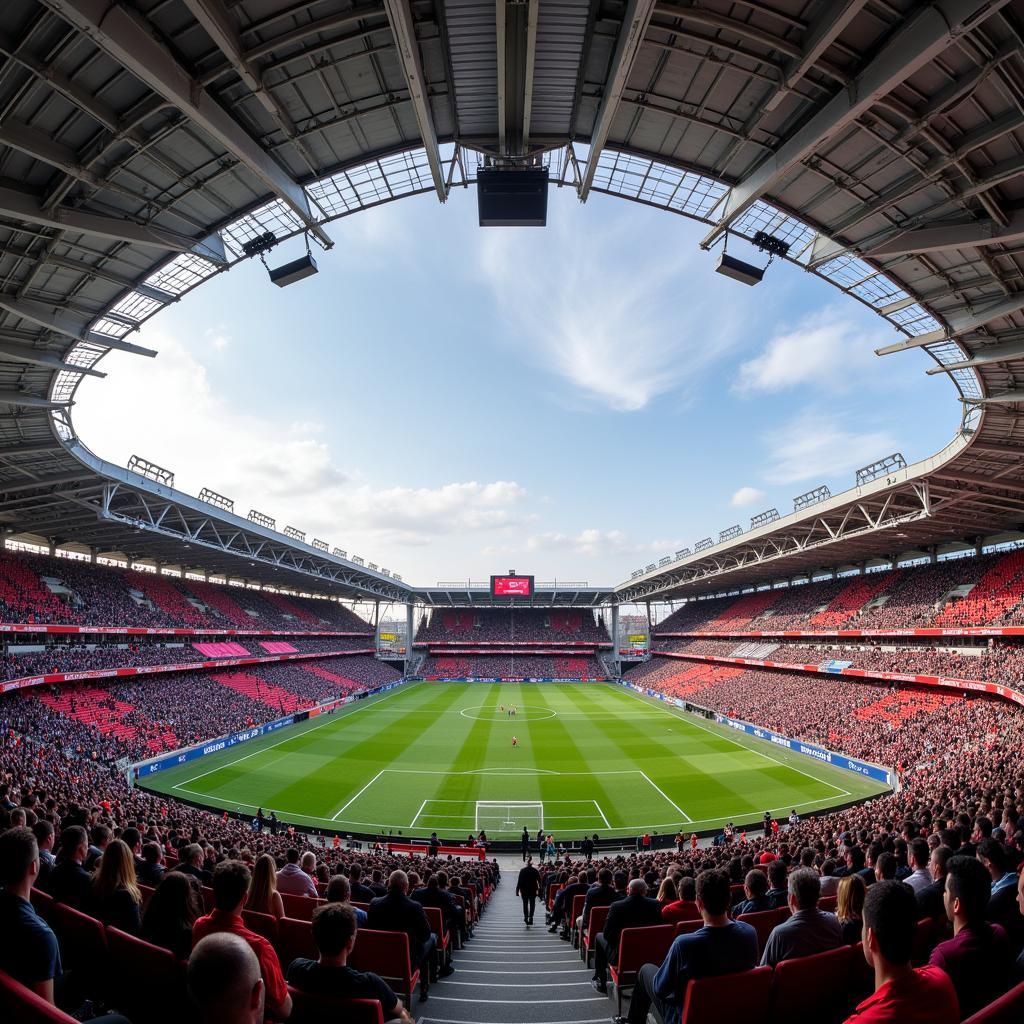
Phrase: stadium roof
pixel 147 146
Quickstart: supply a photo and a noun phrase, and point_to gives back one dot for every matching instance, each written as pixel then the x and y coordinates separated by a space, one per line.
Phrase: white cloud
pixel 593 543
pixel 817 444
pixel 283 469
pixel 619 334
pixel 746 496
pixel 218 338
pixel 828 350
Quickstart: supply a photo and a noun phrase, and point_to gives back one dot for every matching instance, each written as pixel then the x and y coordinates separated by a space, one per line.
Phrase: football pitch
pixel 439 757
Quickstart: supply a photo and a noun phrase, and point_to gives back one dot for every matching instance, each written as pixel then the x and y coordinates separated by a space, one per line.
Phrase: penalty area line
pixel 665 796
pixel 334 817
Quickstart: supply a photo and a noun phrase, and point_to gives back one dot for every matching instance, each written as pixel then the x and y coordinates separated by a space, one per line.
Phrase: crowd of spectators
pixel 44 589
pixel 511 666
pixel 519 625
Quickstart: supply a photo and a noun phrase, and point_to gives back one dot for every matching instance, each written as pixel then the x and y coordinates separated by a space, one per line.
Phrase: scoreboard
pixel 511 586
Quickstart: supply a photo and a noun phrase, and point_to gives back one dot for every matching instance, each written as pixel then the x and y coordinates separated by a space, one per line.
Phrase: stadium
pixel 773 774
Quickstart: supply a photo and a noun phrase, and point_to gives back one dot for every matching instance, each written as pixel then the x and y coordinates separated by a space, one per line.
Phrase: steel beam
pixel 16 399
pixel 399 14
pixel 126 37
pixel 38 357
pixel 960 323
pixel 924 35
pixel 998 398
pixel 823 32
pixel 999 353
pixel 532 16
pixel 55 320
pixel 635 19
pixel 17 204
pixel 963 234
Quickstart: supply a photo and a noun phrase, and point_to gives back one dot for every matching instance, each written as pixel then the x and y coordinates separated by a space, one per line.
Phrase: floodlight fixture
pixel 749 273
pixel 683 553
pixel 650 568
pixel 667 560
pixel 338 553
pixel 217 500
pixel 371 565
pixel 321 545
pixel 889 464
pixel 764 518
pixel 703 545
pixel 151 471
pixel 358 560
pixel 815 497
pixel 730 533
pixel 261 520
pixel 395 576
pixel 292 534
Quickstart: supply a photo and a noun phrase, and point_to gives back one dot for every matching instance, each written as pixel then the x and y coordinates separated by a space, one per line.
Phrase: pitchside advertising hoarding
pixel 849 764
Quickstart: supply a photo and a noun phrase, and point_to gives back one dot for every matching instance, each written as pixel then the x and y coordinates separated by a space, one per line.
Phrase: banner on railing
pixel 60 628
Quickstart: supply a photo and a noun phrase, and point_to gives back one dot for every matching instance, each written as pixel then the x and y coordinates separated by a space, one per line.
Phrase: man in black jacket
pixel 395 912
pixel 69 882
pixel 527 887
pixel 361 893
pixel 930 898
pixel 637 910
pixel 560 912
pixel 604 894
pixel 434 894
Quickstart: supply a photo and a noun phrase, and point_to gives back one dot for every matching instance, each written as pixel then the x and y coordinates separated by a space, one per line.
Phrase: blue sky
pixel 573 402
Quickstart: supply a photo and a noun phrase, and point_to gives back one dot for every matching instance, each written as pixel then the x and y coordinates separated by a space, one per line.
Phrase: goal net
pixel 509 815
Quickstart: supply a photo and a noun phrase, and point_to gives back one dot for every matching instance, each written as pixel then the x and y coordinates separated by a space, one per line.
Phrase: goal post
pixel 509 815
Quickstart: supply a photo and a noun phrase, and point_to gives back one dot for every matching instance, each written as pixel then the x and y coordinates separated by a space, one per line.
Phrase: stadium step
pixel 511 974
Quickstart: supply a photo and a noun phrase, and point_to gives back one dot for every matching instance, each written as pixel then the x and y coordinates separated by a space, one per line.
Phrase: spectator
pixel 977 958
pixel 850 908
pixel 43 831
pixel 230 889
pixel 191 863
pixel 920 878
pixel 722 946
pixel 931 899
pixel 755 889
pixel 263 895
pixel 778 891
pixel 171 913
pixel 602 894
pixel 903 994
pixel 1003 889
pixel 395 912
pixel 69 882
pixel 808 929
pixel 334 932
pixel 829 878
pixel 361 893
pixel 339 890
pixel 637 910
pixel 29 950
pixel 149 869
pixel 293 880
pixel 224 981
pixel 115 897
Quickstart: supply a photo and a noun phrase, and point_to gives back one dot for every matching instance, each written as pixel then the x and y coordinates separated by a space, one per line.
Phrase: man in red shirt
pixel 230 890
pixel 903 994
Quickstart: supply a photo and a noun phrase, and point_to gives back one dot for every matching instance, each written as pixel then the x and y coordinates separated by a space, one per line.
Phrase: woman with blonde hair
pixel 850 907
pixel 667 892
pixel 114 895
pixel 263 895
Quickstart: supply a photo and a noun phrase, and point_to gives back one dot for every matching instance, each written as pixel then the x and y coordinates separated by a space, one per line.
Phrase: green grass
pixel 591 758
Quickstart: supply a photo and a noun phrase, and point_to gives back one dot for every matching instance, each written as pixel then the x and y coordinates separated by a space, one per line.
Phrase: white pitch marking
pixel 599 811
pixel 417 814
pixel 334 817
pixel 665 795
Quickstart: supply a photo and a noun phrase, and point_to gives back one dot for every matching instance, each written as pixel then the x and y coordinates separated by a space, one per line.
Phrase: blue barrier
pixel 849 764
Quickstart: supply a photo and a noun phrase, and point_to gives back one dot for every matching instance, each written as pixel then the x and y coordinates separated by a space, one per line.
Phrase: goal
pixel 509 815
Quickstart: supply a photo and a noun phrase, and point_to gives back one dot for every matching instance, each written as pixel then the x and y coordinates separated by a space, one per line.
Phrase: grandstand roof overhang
pixel 545 595
pixel 144 144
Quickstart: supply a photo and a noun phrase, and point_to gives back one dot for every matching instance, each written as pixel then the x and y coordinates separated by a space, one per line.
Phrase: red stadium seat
pixel 638 946
pixel 729 997
pixel 828 904
pixel 577 911
pixel 83 942
pixel 208 898
pixel 924 939
pixel 386 954
pixel 862 976
pixel 262 924
pixel 594 926
pixel 436 919
pixel 552 892
pixel 1007 1009
pixel 295 939
pixel 809 990
pixel 299 907
pixel 148 982
pixel 764 921
pixel 21 1004
pixel 318 1009
pixel 42 902
pixel 147 894
pixel 689 927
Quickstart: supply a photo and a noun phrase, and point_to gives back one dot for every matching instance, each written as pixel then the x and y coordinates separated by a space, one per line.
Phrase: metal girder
pixel 997 398
pixel 952 235
pixel 39 357
pixel 960 323
pixel 922 37
pixel 1000 353
pixel 16 399
pixel 54 320
pixel 129 40
pixel 10 451
pixel 635 19
pixel 834 17
pixel 532 15
pixel 16 204
pixel 218 25
pixel 53 480
pixel 399 14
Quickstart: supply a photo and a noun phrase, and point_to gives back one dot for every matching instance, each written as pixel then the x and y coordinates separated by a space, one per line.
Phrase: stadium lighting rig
pixel 288 273
pixel 749 273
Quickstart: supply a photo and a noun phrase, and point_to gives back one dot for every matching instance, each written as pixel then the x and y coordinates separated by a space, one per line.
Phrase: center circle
pixel 493 713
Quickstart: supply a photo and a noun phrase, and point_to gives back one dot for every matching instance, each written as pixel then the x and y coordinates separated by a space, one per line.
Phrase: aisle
pixel 511 974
